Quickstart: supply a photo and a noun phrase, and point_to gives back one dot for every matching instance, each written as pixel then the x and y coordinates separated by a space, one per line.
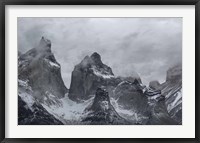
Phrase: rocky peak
pixel 101 100
pixel 40 68
pixel 93 60
pixel 102 112
pixel 96 58
pixel 132 79
pixel 44 44
pixel 88 75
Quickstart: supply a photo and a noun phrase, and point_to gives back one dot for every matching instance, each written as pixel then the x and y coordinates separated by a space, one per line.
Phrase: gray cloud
pixel 147 46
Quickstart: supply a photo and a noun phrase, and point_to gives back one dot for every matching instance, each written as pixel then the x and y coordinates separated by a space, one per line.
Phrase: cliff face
pixel 130 96
pixel 88 75
pixel 101 112
pixel 39 67
pixel 171 89
pixel 95 97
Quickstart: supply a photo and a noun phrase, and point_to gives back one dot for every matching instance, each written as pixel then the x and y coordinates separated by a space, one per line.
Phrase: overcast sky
pixel 147 46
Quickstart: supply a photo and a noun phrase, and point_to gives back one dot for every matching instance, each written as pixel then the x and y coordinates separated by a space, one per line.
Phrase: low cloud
pixel 147 46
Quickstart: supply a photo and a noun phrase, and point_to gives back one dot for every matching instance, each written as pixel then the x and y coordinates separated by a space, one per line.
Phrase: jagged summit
pixel 96 58
pixel 89 74
pixel 44 44
pixel 101 97
pixel 93 60
pixel 102 112
pixel 40 68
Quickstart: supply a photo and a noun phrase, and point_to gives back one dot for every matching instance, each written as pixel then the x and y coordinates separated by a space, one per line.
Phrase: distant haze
pixel 147 46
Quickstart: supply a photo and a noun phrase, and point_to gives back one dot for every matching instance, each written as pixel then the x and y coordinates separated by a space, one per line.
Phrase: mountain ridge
pixel 96 96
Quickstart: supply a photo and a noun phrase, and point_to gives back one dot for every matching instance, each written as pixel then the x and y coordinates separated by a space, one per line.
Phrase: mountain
pixel 101 112
pixel 96 96
pixel 129 95
pixel 40 69
pixel 30 110
pixel 159 114
pixel 154 84
pixel 88 75
pixel 39 83
pixel 171 89
pixel 37 115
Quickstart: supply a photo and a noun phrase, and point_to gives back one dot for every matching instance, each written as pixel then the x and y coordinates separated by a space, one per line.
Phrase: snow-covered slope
pixel 101 112
pixel 171 89
pixel 30 111
pixel 96 96
pixel 39 67
pixel 69 112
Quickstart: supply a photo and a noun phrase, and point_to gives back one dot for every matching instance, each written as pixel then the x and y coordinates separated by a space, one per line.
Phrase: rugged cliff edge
pixel 40 69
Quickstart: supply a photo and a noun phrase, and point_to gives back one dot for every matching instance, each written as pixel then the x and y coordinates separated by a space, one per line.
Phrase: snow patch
pixel 69 111
pixel 98 73
pixel 176 102
pixel 28 99
pixel 52 64
pixel 24 84
pixel 129 115
pixel 104 105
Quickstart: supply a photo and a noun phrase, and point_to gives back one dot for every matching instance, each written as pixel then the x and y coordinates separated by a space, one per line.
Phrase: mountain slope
pixel 30 110
pixel 171 89
pixel 40 69
pixel 88 75
pixel 101 112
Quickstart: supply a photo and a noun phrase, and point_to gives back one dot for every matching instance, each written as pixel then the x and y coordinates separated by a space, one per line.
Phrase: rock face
pixel 130 96
pixel 131 79
pixel 172 90
pixel 96 96
pixel 159 114
pixel 154 84
pixel 30 110
pixel 39 67
pixel 37 115
pixel 88 75
pixel 101 112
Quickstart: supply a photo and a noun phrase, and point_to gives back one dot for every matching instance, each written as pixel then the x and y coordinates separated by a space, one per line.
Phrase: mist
pixel 146 46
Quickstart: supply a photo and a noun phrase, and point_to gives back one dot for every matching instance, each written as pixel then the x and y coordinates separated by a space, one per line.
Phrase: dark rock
pixel 88 75
pixel 159 115
pixel 102 112
pixel 41 69
pixel 37 116
pixel 130 96
pixel 154 85
pixel 172 90
pixel 131 79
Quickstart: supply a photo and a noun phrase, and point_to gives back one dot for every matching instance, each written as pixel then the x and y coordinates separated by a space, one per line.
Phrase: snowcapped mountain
pixel 96 96
pixel 101 112
pixel 171 89
pixel 30 110
pixel 88 75
pixel 40 69
pixel 130 96
pixel 39 82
